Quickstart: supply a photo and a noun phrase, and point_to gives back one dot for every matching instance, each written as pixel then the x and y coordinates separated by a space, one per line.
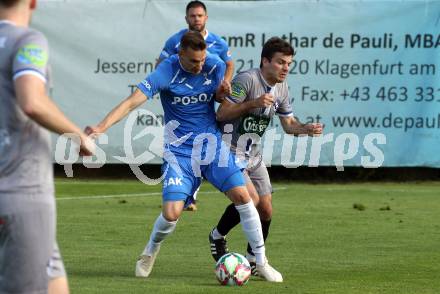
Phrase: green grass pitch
pixel 324 238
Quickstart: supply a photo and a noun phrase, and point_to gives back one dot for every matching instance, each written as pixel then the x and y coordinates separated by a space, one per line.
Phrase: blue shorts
pixel 180 181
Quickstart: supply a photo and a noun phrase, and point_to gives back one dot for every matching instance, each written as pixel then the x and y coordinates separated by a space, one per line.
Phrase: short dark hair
pixel 193 40
pixel 274 45
pixel 195 4
pixel 9 3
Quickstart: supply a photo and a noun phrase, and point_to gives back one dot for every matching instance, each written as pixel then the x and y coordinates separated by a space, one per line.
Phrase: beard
pixel 192 28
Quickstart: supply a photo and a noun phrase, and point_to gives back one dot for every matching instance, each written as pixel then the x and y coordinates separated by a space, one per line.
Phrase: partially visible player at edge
pixel 191 73
pixel 196 18
pixel 257 95
pixel 30 261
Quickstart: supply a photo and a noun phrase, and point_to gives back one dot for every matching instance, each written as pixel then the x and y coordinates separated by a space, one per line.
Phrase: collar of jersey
pixel 4 21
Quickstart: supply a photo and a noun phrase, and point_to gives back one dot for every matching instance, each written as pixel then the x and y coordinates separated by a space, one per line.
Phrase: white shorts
pixel 29 255
pixel 259 176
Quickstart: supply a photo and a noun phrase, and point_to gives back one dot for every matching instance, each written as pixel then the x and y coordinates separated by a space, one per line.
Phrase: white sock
pixel 196 192
pixel 216 235
pixel 161 229
pixel 251 224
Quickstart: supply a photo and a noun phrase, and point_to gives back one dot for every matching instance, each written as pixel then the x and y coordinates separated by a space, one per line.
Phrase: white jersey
pixel 250 85
pixel 25 152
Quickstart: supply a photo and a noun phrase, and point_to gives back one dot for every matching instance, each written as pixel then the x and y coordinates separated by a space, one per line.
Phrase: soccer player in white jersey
pixel 257 95
pixel 30 261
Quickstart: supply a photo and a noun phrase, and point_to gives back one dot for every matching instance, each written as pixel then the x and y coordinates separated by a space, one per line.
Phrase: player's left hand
pixel 223 90
pixel 314 129
pixel 93 131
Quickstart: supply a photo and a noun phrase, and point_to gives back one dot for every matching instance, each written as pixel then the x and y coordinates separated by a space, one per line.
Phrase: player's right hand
pixel 223 90
pixel 314 129
pixel 87 147
pixel 264 100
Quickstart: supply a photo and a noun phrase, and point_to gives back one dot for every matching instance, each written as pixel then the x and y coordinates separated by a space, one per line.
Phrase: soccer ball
pixel 233 269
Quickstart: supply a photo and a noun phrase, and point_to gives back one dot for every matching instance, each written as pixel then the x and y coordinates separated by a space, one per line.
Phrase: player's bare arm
pixel 32 98
pixel 230 111
pixel 223 91
pixel 229 70
pixel 118 113
pixel 293 127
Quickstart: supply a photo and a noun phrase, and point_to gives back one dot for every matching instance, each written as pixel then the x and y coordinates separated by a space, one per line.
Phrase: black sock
pixel 265 224
pixel 229 219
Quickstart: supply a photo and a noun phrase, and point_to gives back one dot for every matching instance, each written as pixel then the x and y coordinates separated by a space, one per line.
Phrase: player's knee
pixel 171 215
pixel 172 209
pixel 239 195
pixel 240 199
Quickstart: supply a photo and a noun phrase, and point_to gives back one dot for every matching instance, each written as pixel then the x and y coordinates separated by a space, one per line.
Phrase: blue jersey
pixel 214 43
pixel 187 99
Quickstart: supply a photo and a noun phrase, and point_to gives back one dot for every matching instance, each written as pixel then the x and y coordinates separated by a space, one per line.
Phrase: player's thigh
pixel 26 243
pixel 263 187
pixel 224 176
pixel 178 187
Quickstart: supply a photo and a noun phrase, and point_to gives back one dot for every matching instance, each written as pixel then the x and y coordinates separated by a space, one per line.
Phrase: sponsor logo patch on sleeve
pixel 238 91
pixel 32 55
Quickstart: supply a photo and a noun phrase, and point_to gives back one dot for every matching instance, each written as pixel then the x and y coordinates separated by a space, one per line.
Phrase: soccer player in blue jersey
pixel 188 83
pixel 196 18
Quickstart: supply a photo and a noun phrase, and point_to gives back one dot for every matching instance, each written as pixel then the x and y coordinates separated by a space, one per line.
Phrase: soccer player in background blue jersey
pixel 196 18
pixel 188 83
